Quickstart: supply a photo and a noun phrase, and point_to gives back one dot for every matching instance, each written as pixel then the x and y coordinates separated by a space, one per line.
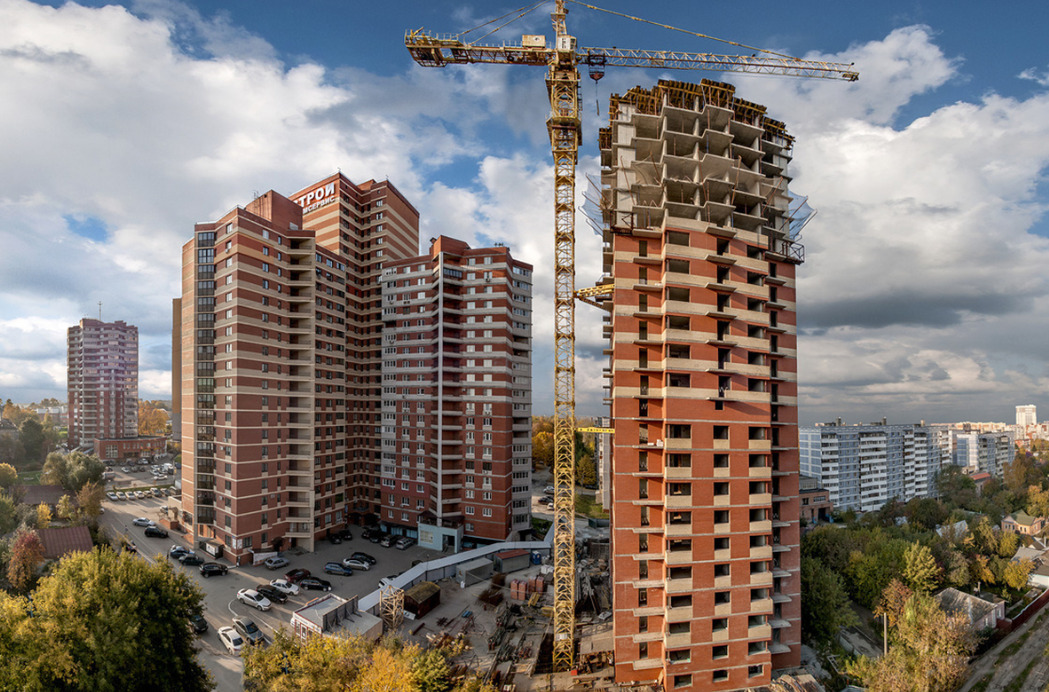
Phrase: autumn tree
pixel 152 420
pixel 8 514
pixel 27 554
pixel 89 499
pixel 8 475
pixel 1018 473
pixel 72 470
pixel 1037 501
pixel 930 651
pixel 31 434
pixel 893 600
pixel 56 468
pixel 1016 573
pixel 43 515
pixel 430 672
pixel 920 569
pixel 585 470
pixel 542 449
pixel 65 508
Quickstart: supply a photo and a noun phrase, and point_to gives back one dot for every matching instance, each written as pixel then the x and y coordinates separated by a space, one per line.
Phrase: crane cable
pixel 686 31
pixel 521 11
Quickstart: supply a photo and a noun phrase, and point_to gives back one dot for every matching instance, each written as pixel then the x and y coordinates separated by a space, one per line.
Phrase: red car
pixel 296 574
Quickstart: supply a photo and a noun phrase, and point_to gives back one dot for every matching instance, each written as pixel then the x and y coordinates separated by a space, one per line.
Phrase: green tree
pixel 8 475
pixel 585 470
pixel 83 468
pixel 31 434
pixel 27 554
pixel 925 513
pixel 825 607
pixel 1017 473
pixel 920 569
pixel 430 672
pixel 319 663
pixel 11 450
pixel 8 514
pixel 56 468
pixel 122 602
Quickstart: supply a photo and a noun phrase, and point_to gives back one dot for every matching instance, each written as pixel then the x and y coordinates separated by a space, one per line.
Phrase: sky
pixel 923 295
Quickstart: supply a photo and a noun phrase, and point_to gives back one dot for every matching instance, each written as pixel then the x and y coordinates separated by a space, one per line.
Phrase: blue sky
pixel 922 296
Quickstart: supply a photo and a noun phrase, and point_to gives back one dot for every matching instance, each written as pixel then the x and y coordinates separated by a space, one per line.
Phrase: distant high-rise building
pixel 983 452
pixel 1026 415
pixel 280 364
pixel 705 509
pixel 456 395
pixel 864 466
pixel 102 381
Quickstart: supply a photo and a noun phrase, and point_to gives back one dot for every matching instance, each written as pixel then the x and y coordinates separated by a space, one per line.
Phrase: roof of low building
pixel 1022 518
pixel 422 591
pixel 35 494
pixel 958 602
pixel 62 541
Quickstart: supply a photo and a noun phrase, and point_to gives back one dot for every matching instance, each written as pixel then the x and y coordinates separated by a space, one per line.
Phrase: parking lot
pixel 220 591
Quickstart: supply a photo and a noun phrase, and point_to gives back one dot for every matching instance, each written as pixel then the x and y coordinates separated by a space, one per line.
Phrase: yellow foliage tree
pixel 152 420
pixel 43 516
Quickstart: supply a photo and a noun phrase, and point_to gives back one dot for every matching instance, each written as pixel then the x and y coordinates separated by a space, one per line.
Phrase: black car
pixel 176 551
pixel 338 568
pixel 250 630
pixel 198 623
pixel 191 559
pixel 344 534
pixel 275 595
pixel 210 568
pixel 364 557
pixel 315 584
pixel 334 538
pixel 156 532
pixel 368 534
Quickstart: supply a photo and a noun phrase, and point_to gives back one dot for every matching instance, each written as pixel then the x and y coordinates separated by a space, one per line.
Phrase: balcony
pixel 679 641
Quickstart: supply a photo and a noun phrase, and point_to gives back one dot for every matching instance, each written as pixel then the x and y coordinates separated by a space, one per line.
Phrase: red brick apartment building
pixel 456 402
pixel 703 388
pixel 279 362
pixel 102 381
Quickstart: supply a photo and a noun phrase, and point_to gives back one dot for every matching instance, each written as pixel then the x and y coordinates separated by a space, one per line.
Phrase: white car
pixel 139 495
pixel 231 640
pixel 142 521
pixel 112 496
pixel 254 599
pixel 356 564
pixel 121 495
pixel 276 562
pixel 285 586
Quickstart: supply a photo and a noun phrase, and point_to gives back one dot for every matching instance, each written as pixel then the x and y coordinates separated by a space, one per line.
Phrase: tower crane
pixel 562 61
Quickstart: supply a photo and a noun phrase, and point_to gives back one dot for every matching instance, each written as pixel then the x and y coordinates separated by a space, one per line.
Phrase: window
pixel 720 675
pixel 682 682
pixel 720 651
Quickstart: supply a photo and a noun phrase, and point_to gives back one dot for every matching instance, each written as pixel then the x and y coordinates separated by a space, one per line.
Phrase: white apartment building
pixel 1026 415
pixel 982 452
pixel 865 466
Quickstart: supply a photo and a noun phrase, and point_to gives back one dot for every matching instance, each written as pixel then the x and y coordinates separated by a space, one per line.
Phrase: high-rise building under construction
pixel 700 249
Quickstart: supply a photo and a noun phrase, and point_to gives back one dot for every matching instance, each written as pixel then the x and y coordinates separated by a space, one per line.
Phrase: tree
pixel 72 470
pixel 1017 572
pixel 31 434
pixel 430 672
pixel 930 652
pixel 121 601
pixel 386 671
pixel 11 449
pixel 16 414
pixel 825 607
pixel 1008 542
pixel 152 420
pixel 925 512
pixel 893 600
pixel 585 470
pixel 8 514
pixel 43 515
pixel 319 663
pixel 981 570
pixel 920 569
pixel 1018 472
pixel 1037 501
pixel 8 475
pixel 56 468
pixel 27 554
pixel 543 449
pixel 65 508
pixel 89 499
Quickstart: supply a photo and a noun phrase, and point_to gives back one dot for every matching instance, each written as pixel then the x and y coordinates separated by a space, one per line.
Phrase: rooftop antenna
pixel 100 311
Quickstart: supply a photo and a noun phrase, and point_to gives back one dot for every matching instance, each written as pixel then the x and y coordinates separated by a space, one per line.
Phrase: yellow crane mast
pixel 562 61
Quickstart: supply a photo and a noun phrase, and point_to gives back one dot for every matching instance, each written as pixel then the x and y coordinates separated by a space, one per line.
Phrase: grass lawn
pixel 29 477
pixel 587 506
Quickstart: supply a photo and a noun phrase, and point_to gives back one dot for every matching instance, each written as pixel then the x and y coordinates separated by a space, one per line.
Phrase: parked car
pixel 351 563
pixel 376 537
pixel 315 584
pixel 405 542
pixel 175 552
pixel 142 521
pixel 296 574
pixel 121 495
pixel 112 496
pixel 211 568
pixel 254 599
pixel 191 559
pixel 548 490
pixel 198 623
pixel 271 592
pixel 231 640
pixel 366 533
pixel 386 541
pixel 140 495
pixel 338 568
pixel 276 562
pixel 344 534
pixel 285 586
pixel 364 557
pixel 249 630
pixel 334 538
pixel 156 532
